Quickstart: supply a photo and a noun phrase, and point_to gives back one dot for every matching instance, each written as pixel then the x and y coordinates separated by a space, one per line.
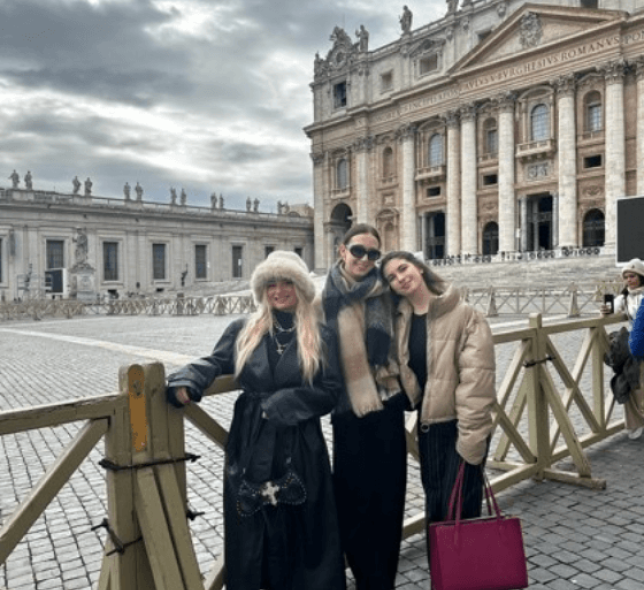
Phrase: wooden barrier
pixel 149 544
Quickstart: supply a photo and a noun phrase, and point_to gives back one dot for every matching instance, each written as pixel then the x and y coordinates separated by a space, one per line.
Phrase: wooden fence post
pixel 147 491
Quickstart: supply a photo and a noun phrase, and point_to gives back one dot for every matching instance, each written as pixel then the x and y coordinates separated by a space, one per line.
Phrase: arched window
pixel 491 238
pixel 342 174
pixel 436 150
pixel 593 110
pixel 491 137
pixel 387 162
pixel 539 123
pixel 594 227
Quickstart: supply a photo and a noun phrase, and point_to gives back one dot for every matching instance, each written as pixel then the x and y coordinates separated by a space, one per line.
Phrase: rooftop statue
pixel 88 187
pixel 173 196
pixel 28 180
pixel 76 184
pixel 138 189
pixel 363 39
pixel 126 191
pixel 405 20
pixel 184 197
pixel 15 179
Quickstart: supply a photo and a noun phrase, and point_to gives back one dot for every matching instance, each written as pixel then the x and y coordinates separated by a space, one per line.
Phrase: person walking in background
pixel 369 449
pixel 628 302
pixel 280 520
pixel 447 367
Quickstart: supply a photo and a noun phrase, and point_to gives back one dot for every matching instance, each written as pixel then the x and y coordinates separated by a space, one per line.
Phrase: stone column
pixel 524 223
pixel 567 153
pixel 408 239
pixel 615 148
pixel 507 215
pixel 639 64
pixel 453 245
pixel 319 161
pixel 362 147
pixel 469 236
pixel 422 219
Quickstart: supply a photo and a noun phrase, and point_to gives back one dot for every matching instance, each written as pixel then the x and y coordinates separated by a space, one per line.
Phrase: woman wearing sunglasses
pixel 369 451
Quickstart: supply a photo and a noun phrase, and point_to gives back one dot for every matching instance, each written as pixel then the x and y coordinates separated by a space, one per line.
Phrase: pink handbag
pixel 476 554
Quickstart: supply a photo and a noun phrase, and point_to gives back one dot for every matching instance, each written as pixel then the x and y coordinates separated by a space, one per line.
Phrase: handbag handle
pixel 456 497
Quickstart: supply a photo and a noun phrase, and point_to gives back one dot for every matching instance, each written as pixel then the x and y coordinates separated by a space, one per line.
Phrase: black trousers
pixel 370 477
pixel 439 463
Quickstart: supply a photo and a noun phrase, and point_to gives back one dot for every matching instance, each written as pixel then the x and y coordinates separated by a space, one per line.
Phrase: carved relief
pixel 537 170
pixel 531 31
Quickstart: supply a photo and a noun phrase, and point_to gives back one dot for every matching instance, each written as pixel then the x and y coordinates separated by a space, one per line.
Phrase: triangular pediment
pixel 533 27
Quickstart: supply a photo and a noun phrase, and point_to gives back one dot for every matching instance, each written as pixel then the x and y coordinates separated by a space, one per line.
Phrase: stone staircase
pixel 584 271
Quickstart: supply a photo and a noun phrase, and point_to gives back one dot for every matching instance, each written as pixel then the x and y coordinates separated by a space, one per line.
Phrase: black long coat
pixel 295 544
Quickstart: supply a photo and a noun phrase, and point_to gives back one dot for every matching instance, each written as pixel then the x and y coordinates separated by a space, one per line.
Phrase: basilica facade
pixel 504 127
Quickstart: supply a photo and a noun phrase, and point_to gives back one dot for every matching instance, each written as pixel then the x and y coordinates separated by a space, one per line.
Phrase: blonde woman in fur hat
pixel 369 445
pixel 280 520
pixel 628 302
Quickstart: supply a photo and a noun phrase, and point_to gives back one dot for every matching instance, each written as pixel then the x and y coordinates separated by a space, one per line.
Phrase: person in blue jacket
pixel 280 519
pixel 636 337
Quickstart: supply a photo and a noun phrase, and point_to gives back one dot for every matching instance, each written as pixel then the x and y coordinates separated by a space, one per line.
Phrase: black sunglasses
pixel 358 251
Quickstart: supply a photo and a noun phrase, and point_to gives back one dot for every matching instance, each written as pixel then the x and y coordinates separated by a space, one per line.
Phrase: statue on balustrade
pixel 248 204
pixel 406 19
pixel 363 39
pixel 15 179
pixel 76 184
pixel 184 197
pixel 213 201
pixel 88 187
pixel 221 201
pixel 126 191
pixel 173 196
pixel 138 189
pixel 256 205
pixel 29 180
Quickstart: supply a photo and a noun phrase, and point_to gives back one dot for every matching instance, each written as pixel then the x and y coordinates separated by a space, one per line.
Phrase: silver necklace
pixel 281 330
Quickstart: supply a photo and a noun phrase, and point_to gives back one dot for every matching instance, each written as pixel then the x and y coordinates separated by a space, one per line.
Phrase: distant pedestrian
pixel 280 520
pixel 627 303
pixel 447 367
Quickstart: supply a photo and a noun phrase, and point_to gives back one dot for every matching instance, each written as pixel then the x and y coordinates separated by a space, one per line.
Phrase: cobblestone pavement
pixel 574 537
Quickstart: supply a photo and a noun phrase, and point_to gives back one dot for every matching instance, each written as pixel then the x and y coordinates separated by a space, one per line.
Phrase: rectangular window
pixel 489 179
pixel 434 191
pixel 595 117
pixel 158 262
pixel 201 253
pixel 593 161
pixel 238 260
pixel 298 251
pixel 492 141
pixel 268 250
pixel 55 249
pixel 110 261
pixel 386 81
pixel 428 64
pixel 340 95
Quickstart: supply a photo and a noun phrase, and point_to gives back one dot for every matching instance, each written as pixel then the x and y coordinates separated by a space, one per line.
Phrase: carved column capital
pixel 318 158
pixel 506 101
pixel 452 119
pixel 364 144
pixel 565 85
pixel 614 71
pixel 468 112
pixel 638 66
pixel 406 131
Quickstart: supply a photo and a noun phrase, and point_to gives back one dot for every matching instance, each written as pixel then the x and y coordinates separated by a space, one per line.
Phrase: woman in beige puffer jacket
pixel 447 366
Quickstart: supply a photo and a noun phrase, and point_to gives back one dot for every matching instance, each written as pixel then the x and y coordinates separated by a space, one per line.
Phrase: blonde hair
pixel 309 342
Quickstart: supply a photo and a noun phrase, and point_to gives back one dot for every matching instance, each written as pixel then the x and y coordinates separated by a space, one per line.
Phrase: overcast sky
pixel 205 95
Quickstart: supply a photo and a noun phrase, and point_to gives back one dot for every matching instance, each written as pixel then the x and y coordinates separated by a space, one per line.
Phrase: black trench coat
pixel 295 542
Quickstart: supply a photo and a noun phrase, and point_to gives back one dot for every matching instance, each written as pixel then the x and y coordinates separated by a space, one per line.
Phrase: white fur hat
pixel 283 265
pixel 635 265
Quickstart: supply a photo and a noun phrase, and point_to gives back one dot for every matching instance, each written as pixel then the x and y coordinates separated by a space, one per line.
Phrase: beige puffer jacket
pixel 460 370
